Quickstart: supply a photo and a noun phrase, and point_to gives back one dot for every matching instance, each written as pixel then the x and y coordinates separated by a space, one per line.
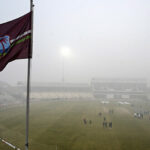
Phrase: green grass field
pixel 59 125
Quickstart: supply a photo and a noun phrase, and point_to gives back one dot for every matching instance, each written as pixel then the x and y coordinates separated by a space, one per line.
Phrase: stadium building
pixel 60 91
pixel 119 88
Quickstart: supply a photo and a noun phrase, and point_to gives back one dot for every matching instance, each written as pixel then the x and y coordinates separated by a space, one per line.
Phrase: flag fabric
pixel 15 40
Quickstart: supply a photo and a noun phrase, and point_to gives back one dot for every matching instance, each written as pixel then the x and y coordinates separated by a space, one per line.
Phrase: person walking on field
pixel 84 121
pixel 104 119
pixel 110 124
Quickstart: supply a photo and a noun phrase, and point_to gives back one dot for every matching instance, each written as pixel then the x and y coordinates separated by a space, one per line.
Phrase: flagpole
pixel 28 82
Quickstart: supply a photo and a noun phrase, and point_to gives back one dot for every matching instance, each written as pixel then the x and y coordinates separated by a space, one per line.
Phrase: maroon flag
pixel 15 40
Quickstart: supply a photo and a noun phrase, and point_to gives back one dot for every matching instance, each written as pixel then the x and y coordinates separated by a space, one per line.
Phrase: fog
pixel 105 39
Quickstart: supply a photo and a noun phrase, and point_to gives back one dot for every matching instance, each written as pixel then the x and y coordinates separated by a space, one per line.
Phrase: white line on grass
pixel 12 146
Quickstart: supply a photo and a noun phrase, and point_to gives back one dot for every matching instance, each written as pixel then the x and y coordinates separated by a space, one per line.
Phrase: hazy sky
pixel 106 38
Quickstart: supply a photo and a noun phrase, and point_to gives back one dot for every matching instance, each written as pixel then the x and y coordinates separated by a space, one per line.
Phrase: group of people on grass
pixel 105 124
pixel 85 121
pixel 138 115
pixel 141 115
